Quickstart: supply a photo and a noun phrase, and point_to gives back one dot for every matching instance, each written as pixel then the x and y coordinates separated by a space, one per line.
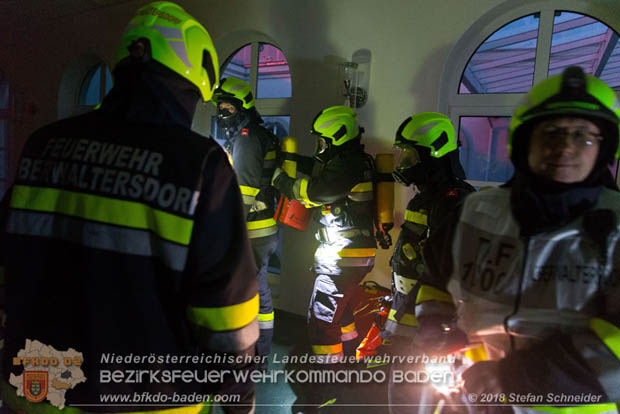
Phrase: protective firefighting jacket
pixel 342 187
pixel 253 151
pixel 545 305
pixel 125 239
pixel 423 214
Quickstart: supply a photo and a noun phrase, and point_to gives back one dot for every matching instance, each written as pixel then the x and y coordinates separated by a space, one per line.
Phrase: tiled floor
pixel 277 396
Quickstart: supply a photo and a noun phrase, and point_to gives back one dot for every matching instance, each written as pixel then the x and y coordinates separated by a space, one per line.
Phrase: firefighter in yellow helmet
pixel 343 191
pixel 125 241
pixel 254 154
pixel 429 161
pixel 532 266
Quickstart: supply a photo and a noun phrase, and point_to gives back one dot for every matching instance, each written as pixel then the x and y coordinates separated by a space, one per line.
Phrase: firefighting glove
pixel 439 336
pixel 384 239
pixel 276 174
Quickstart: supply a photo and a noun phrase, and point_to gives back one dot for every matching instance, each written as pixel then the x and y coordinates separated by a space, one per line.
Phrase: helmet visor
pixel 321 145
pixel 407 158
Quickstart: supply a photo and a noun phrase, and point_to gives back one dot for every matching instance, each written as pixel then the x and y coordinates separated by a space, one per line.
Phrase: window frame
pixel 265 106
pixel 90 74
pixel 457 105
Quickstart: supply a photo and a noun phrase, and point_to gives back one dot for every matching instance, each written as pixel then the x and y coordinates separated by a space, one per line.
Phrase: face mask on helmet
pixel 321 146
pixel 322 149
pixel 408 157
pixel 409 169
pixel 227 117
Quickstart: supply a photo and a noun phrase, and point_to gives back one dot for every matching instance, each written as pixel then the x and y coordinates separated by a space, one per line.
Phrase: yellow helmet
pixel 234 89
pixel 177 41
pixel 337 123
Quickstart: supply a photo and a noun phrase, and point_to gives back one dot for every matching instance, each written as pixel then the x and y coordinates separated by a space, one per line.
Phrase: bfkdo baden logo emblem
pixel 35 385
pixel 47 373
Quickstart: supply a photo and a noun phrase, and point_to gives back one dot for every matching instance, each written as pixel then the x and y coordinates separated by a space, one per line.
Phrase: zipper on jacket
pixel 517 304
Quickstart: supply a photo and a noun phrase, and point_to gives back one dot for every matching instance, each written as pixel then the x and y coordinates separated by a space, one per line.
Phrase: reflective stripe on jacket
pixel 119 241
pixel 253 151
pixel 423 215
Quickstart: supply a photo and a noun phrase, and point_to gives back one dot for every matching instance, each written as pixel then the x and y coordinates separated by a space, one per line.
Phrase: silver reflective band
pixel 329 358
pixel 253 234
pixel 232 341
pixel 403 284
pixel 98 235
pixel 396 328
pixel 265 324
pixel 348 336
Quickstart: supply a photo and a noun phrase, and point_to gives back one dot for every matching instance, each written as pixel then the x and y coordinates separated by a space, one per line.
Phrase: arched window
pixel 96 84
pixel 265 68
pixel 502 56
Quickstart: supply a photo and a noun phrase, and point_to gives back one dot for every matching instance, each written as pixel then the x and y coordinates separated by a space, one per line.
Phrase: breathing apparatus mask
pixel 226 118
pixel 322 149
pixel 409 169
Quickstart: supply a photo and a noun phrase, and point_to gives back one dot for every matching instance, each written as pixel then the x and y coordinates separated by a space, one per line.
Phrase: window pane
pixel 239 64
pixel 91 87
pixel 483 150
pixel 279 125
pixel 504 63
pixel 108 80
pixel 4 94
pixel 274 77
pixel 584 41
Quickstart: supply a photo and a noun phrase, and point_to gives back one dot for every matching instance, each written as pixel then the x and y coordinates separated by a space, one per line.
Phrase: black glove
pixel 438 336
pixel 384 239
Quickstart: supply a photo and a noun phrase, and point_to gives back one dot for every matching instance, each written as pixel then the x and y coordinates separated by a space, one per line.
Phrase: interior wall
pixel 409 41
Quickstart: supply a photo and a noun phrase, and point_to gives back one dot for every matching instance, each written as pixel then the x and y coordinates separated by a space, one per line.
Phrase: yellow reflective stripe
pixel 582 409
pixel 303 192
pixel 224 318
pixel 608 333
pixel 19 404
pixel 327 349
pixel 249 191
pixel 416 217
pixel 349 328
pixel 265 317
pixel 369 252
pixel 104 210
pixel 303 189
pixel 261 224
pixel 271 155
pixel 427 293
pixel 477 354
pixel 407 319
pixel 362 187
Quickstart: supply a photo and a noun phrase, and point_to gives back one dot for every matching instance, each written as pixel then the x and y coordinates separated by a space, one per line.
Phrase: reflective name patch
pixel 107 169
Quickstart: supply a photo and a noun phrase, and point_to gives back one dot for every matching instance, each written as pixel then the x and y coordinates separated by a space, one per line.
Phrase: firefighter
pixel 125 236
pixel 253 151
pixel 429 162
pixel 532 265
pixel 342 188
